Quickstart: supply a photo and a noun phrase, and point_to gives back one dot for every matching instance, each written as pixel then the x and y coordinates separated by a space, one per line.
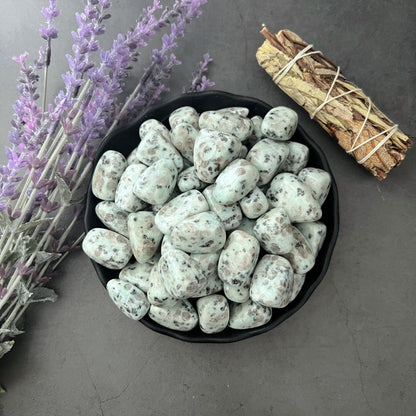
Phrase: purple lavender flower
pixel 199 81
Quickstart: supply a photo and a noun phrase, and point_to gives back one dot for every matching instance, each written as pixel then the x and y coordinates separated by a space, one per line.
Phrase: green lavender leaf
pixel 31 224
pixel 5 347
pixel 64 190
pixel 43 294
pixel 4 220
pixel 44 256
pixel 23 294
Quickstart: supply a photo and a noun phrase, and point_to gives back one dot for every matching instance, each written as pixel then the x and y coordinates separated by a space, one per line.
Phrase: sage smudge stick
pixel 337 104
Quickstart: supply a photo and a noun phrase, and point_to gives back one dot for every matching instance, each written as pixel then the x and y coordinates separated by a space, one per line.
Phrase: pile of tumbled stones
pixel 215 221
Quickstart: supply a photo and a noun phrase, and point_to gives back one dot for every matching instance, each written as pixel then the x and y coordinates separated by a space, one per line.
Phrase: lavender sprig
pixel 199 81
pixel 48 165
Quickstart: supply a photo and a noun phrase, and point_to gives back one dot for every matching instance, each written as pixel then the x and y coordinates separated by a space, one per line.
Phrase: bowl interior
pixel 126 139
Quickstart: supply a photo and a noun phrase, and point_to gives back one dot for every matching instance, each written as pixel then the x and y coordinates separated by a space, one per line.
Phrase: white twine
pixel 391 130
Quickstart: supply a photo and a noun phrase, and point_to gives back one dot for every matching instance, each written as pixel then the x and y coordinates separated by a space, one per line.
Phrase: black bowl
pixel 126 139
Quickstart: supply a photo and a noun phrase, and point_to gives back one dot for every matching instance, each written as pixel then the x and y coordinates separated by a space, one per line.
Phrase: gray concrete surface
pixel 351 350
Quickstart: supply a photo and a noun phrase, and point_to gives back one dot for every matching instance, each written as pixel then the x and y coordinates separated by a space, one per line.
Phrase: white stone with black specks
pixel 236 293
pixel 242 111
pixel 272 282
pixel 199 233
pixel 144 236
pixel 231 215
pixel 213 151
pixel 108 248
pixel 188 180
pixel 254 204
pixel 318 180
pixel 138 274
pixel 112 217
pixel 238 258
pixel 177 209
pixel 185 114
pixel 128 298
pixel 156 184
pixel 314 232
pixel 182 316
pixel 106 175
pixel 226 121
pixel 297 158
pixel 153 125
pixel 249 315
pixel 267 156
pixel 301 256
pixel 183 137
pixel 209 263
pixel 153 147
pixel 287 191
pixel 274 231
pixel 280 123
pixel 157 293
pixel 235 182
pixel 213 312
pixel 124 197
pixel 182 275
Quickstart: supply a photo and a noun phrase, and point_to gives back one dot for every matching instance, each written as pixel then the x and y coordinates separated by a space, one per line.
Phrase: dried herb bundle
pixel 337 104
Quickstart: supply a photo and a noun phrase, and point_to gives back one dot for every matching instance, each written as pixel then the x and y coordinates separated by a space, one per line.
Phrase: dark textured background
pixel 350 350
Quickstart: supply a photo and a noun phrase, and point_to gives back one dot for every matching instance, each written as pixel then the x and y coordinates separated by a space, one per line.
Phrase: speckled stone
pixel 231 215
pixel 179 208
pixel 226 121
pixel 107 248
pixel 315 233
pixel 243 152
pixel 236 293
pixel 137 274
pixel 318 180
pixel 144 236
pixel 124 197
pixel 213 312
pixel 235 182
pixel 298 281
pixel 267 156
pixel 200 233
pixel 279 123
pixel 166 245
pixel 132 157
pixel 154 147
pixel 238 258
pixel 249 315
pixel 297 158
pixel 213 151
pixel 301 256
pixel 274 231
pixel 183 137
pixel 153 125
pixel 288 192
pixel 157 182
pixel 254 204
pixel 186 114
pixel 106 175
pixel 182 316
pixel 208 263
pixel 157 293
pixel 112 217
pixel 188 180
pixel 128 298
pixel 272 282
pixel 256 135
pixel 182 275
pixel 157 207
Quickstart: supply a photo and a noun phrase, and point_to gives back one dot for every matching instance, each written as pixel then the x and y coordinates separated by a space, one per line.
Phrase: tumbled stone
pixel 249 315
pixel 272 282
pixel 301 256
pixel 138 274
pixel 315 233
pixel 318 180
pixel 153 125
pixel 157 293
pixel 180 317
pixel 128 298
pixel 108 248
pixel 237 293
pixel 213 312
pixel 188 180
pixel 144 236
pixel 112 217
pixel 254 204
pixel 199 233
pixel 235 182
pixel 185 114
pixel 106 175
pixel 183 137
pixel 297 158
pixel 279 123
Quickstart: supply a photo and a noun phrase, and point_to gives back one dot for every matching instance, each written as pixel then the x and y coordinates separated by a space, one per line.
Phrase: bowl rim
pixel 236 335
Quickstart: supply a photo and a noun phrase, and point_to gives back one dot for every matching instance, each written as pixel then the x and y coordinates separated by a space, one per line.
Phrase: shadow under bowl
pixel 126 139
